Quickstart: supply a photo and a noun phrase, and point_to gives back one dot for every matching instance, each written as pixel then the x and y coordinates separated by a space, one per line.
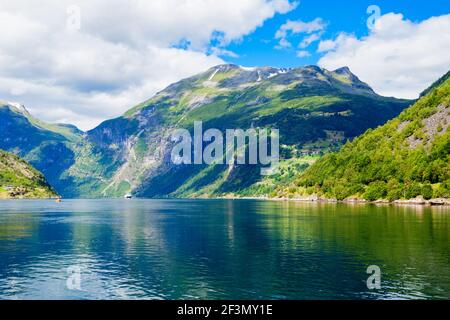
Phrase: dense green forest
pixel 405 158
pixel 18 179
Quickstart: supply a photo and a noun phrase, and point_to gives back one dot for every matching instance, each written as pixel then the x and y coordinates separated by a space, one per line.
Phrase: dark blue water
pixel 220 249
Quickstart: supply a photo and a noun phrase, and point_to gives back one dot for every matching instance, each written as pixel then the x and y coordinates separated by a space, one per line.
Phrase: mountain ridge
pixel 316 110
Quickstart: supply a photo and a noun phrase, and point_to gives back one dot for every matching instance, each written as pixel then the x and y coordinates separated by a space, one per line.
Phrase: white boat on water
pixel 128 196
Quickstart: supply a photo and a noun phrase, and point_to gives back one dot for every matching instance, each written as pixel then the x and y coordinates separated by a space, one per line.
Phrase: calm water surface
pixel 220 249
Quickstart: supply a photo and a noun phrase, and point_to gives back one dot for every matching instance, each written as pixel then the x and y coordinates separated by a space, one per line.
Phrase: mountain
pixel 405 158
pixel 70 163
pixel 18 179
pixel 316 111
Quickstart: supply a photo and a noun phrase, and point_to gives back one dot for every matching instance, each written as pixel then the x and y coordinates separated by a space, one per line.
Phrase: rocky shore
pixel 415 201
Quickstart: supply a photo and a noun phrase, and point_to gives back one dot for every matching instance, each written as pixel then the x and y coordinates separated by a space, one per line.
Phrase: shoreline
pixel 412 202
pixel 415 202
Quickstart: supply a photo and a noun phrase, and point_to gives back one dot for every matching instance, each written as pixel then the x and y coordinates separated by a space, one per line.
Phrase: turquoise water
pixel 221 249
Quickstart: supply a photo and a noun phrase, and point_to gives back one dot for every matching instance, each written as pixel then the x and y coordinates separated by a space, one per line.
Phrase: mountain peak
pixel 347 73
pixel 225 67
pixel 343 70
pixel 244 74
pixel 220 78
pixel 15 107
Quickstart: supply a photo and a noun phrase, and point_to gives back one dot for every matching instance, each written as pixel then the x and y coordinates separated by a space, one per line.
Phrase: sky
pixel 85 61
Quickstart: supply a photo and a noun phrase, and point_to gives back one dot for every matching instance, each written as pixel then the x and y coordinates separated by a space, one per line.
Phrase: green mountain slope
pixel 316 111
pixel 407 157
pixel 72 165
pixel 18 179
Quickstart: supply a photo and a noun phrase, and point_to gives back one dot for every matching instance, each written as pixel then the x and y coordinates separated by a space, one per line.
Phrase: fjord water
pixel 221 249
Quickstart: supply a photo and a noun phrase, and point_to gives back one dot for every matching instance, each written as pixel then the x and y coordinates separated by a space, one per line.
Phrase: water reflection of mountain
pixel 222 249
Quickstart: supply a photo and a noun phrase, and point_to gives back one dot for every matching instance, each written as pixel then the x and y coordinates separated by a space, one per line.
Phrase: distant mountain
pixel 61 152
pixel 316 111
pixel 407 157
pixel 18 179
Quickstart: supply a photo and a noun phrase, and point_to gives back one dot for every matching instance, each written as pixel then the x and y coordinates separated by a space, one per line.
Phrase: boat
pixel 128 196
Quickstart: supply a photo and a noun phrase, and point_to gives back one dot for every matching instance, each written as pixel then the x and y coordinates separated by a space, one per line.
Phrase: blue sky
pixel 258 48
pixel 85 61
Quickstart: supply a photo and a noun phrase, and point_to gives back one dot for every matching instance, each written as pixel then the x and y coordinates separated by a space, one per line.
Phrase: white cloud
pixel 307 41
pixel 122 54
pixel 398 58
pixel 223 52
pixel 314 29
pixel 326 45
pixel 303 54
pixel 65 99
pixel 283 44
pixel 295 27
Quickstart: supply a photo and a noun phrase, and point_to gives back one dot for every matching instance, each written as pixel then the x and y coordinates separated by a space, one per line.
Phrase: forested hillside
pixel 18 179
pixel 407 157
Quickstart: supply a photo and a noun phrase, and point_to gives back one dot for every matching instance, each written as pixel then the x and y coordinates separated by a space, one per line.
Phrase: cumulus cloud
pixel 314 29
pixel 223 52
pixel 398 58
pixel 307 41
pixel 303 54
pixel 123 52
pixel 327 45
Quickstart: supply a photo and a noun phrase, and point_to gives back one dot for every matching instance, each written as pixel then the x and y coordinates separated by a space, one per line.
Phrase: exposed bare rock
pixel 419 200
pixel 436 124
pixel 403 125
pixel 199 100
pixel 414 142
